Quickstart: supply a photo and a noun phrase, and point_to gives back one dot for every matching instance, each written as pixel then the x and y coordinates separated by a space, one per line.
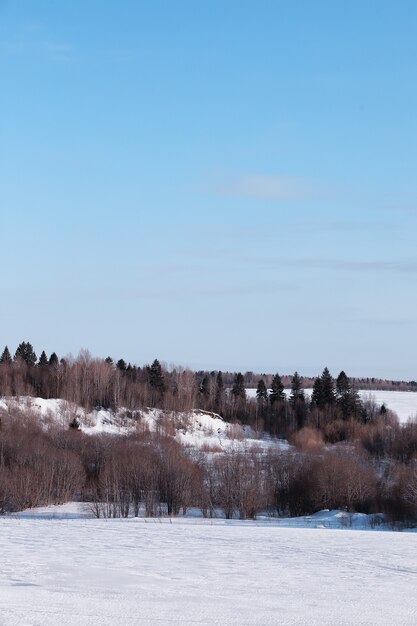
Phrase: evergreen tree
pixel 297 400
pixel 121 365
pixel 43 359
pixel 297 391
pixel 108 360
pixel 238 389
pixel 156 377
pixel 6 357
pixel 26 353
pixel 347 398
pixel 204 389
pixel 317 395
pixel 277 390
pixel 327 388
pixel 261 392
pixel 53 360
pixel 218 401
pixel 342 384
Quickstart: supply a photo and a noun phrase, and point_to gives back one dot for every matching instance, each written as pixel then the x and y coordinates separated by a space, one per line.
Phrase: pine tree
pixel 218 401
pixel 26 353
pixel 342 384
pixel 156 377
pixel 297 392
pixel 261 392
pixel 317 395
pixel 53 360
pixel 108 360
pixel 121 365
pixel 347 398
pixel 238 389
pixel 6 357
pixel 43 359
pixel 277 390
pixel 297 400
pixel 327 388
pixel 204 389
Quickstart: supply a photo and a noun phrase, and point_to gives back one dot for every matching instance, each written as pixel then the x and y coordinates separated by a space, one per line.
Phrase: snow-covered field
pixel 403 403
pixel 193 571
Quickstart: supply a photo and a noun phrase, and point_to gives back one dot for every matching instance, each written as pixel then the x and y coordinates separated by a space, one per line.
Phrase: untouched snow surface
pixel 195 571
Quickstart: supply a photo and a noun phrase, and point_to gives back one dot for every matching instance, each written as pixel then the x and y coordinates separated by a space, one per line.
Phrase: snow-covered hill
pixel 196 428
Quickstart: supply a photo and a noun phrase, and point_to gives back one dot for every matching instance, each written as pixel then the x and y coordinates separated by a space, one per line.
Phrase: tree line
pixel 91 382
pixel 345 453
pixel 150 473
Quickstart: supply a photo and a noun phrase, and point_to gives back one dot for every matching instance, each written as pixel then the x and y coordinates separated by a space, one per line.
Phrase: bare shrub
pixel 308 439
pixel 289 483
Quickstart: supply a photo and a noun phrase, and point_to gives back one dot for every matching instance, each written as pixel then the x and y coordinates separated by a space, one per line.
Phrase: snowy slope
pixel 195 428
pixel 88 572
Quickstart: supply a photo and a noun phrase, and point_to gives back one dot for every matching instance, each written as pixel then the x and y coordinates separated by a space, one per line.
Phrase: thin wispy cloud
pixel 31 39
pixel 47 50
pixel 406 266
pixel 264 186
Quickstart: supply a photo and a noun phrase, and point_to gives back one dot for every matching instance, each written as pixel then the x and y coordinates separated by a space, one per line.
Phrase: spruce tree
pixel 218 401
pixel 204 389
pixel 43 359
pixel 261 391
pixel 6 357
pixel 238 389
pixel 26 353
pixel 53 360
pixel 342 384
pixel 317 395
pixel 297 400
pixel 277 390
pixel 297 392
pixel 121 365
pixel 347 398
pixel 156 377
pixel 327 388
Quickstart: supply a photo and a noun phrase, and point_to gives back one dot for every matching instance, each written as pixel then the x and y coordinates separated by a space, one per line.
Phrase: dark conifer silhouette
pixel 26 353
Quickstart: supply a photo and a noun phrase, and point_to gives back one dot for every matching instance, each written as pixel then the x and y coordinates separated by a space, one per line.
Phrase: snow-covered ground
pixel 195 428
pixel 196 571
pixel 403 403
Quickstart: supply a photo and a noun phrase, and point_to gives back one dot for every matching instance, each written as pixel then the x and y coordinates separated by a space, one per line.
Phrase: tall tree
pixel 204 388
pixel 156 377
pixel 26 353
pixel 261 391
pixel 43 359
pixel 297 400
pixel 327 388
pixel 347 398
pixel 218 400
pixel 317 395
pixel 297 391
pixel 277 390
pixel 238 389
pixel 342 384
pixel 6 357
pixel 53 360
pixel 121 365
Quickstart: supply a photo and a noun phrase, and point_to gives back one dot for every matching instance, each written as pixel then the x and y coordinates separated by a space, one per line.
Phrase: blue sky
pixel 217 184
